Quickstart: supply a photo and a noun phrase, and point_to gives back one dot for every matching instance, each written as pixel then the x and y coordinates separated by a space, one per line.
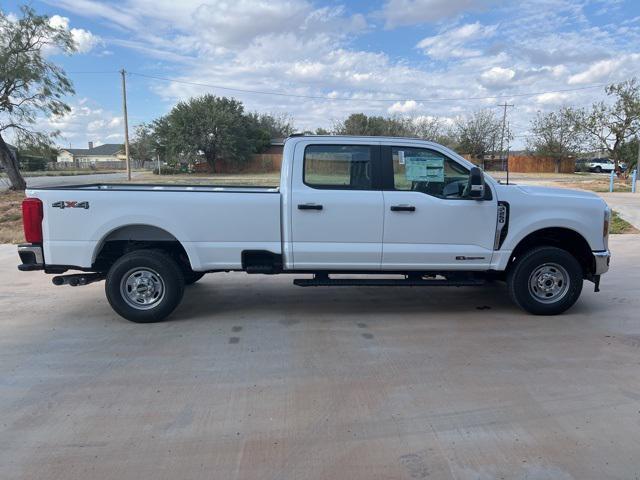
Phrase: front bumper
pixel 601 260
pixel 31 257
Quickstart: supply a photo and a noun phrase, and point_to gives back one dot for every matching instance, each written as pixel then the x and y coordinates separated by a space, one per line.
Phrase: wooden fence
pixel 527 164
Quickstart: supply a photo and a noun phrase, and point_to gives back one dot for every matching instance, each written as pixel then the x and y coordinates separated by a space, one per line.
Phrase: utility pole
pixel 637 172
pixel 504 124
pixel 126 123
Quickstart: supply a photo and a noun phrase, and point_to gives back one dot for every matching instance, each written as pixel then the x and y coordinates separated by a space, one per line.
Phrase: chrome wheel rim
pixel 142 288
pixel 549 283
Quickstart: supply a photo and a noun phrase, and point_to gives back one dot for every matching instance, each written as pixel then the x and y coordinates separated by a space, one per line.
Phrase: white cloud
pixel 596 72
pixel 552 98
pixel 294 46
pixel 497 77
pixel 84 40
pixel 403 107
pixel 84 123
pixel 411 12
pixel 452 42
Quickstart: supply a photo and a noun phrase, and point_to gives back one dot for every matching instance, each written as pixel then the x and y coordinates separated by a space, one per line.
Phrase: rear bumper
pixel 602 260
pixel 31 257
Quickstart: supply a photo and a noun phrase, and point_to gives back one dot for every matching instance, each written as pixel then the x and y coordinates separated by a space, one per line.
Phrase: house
pixel 109 152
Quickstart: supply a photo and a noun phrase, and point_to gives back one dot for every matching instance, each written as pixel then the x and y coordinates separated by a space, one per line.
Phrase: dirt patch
pixel 11 217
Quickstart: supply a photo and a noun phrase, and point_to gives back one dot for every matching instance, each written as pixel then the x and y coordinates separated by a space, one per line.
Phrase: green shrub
pixel 166 170
pixel 32 164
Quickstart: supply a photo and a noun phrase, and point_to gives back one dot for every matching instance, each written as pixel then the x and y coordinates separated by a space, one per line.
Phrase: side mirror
pixel 476 184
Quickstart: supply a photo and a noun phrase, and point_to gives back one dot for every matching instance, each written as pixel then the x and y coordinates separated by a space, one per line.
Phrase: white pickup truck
pixel 345 205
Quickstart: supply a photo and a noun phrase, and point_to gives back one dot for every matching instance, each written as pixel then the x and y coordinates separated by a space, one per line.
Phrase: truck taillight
pixel 32 216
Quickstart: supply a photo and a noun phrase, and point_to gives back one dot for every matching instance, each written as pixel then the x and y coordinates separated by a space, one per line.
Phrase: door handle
pixel 403 208
pixel 309 206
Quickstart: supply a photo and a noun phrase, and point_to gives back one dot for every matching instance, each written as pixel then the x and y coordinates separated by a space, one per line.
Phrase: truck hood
pixel 557 192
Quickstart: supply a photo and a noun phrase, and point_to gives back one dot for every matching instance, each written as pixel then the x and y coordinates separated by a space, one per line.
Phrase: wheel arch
pixel 136 236
pixel 560 237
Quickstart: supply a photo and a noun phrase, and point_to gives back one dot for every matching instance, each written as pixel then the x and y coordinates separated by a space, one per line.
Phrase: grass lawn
pixel 595 182
pixel 271 179
pixel 618 225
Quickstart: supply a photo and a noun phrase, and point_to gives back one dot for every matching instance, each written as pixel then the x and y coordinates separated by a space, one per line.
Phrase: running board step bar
pixel 382 282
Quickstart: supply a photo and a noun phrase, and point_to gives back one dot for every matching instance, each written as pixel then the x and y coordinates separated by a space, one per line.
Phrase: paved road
pixel 71 180
pixel 255 378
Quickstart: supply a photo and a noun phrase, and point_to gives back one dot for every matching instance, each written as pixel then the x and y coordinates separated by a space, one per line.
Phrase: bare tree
pixel 479 133
pixel 608 126
pixel 555 135
pixel 29 83
pixel 434 129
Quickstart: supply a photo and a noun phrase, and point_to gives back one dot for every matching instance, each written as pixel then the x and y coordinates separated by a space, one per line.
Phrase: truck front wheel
pixel 144 286
pixel 545 281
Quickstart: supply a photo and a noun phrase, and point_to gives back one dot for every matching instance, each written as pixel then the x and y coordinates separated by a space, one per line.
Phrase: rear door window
pixel 345 167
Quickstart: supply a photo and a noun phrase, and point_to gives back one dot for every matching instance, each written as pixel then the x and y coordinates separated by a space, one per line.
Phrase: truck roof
pixel 361 138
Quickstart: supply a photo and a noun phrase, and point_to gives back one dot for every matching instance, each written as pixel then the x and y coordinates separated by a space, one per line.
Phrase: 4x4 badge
pixel 70 204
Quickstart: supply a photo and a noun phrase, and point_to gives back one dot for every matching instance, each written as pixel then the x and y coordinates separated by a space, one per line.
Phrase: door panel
pixel 336 215
pixel 428 222
pixel 438 233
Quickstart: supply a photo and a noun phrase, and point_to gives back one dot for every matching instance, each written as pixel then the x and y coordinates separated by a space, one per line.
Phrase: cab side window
pixel 345 167
pixel 430 172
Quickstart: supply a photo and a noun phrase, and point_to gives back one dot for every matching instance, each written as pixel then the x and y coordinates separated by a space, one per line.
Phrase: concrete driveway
pixel 626 204
pixel 254 378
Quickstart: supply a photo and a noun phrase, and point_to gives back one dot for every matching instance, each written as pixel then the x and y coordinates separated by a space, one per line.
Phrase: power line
pixel 325 97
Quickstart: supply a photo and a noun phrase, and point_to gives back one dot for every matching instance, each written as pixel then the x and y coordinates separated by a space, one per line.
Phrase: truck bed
pixel 214 227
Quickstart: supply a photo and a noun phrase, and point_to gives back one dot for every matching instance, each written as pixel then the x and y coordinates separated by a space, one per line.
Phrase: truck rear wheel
pixel 144 286
pixel 545 281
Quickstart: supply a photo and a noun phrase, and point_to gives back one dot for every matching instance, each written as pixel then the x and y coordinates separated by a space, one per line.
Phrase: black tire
pixel 144 273
pixel 528 281
pixel 191 277
pixel 598 169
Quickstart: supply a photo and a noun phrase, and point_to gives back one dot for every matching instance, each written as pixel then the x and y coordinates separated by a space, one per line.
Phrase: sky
pixel 417 58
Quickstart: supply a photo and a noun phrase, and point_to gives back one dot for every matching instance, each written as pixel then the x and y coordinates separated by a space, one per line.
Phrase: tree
pixel 479 134
pixel 34 156
pixel 275 125
pixel 143 147
pixel 434 130
pixel 629 154
pixel 214 127
pixel 29 83
pixel 555 135
pixel 609 125
pixel 361 124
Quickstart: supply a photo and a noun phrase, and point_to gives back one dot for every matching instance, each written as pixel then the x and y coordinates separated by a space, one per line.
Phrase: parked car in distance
pixel 377 206
pixel 599 165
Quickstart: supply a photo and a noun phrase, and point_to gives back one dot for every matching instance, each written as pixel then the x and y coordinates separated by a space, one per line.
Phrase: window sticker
pixel 401 157
pixel 424 169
